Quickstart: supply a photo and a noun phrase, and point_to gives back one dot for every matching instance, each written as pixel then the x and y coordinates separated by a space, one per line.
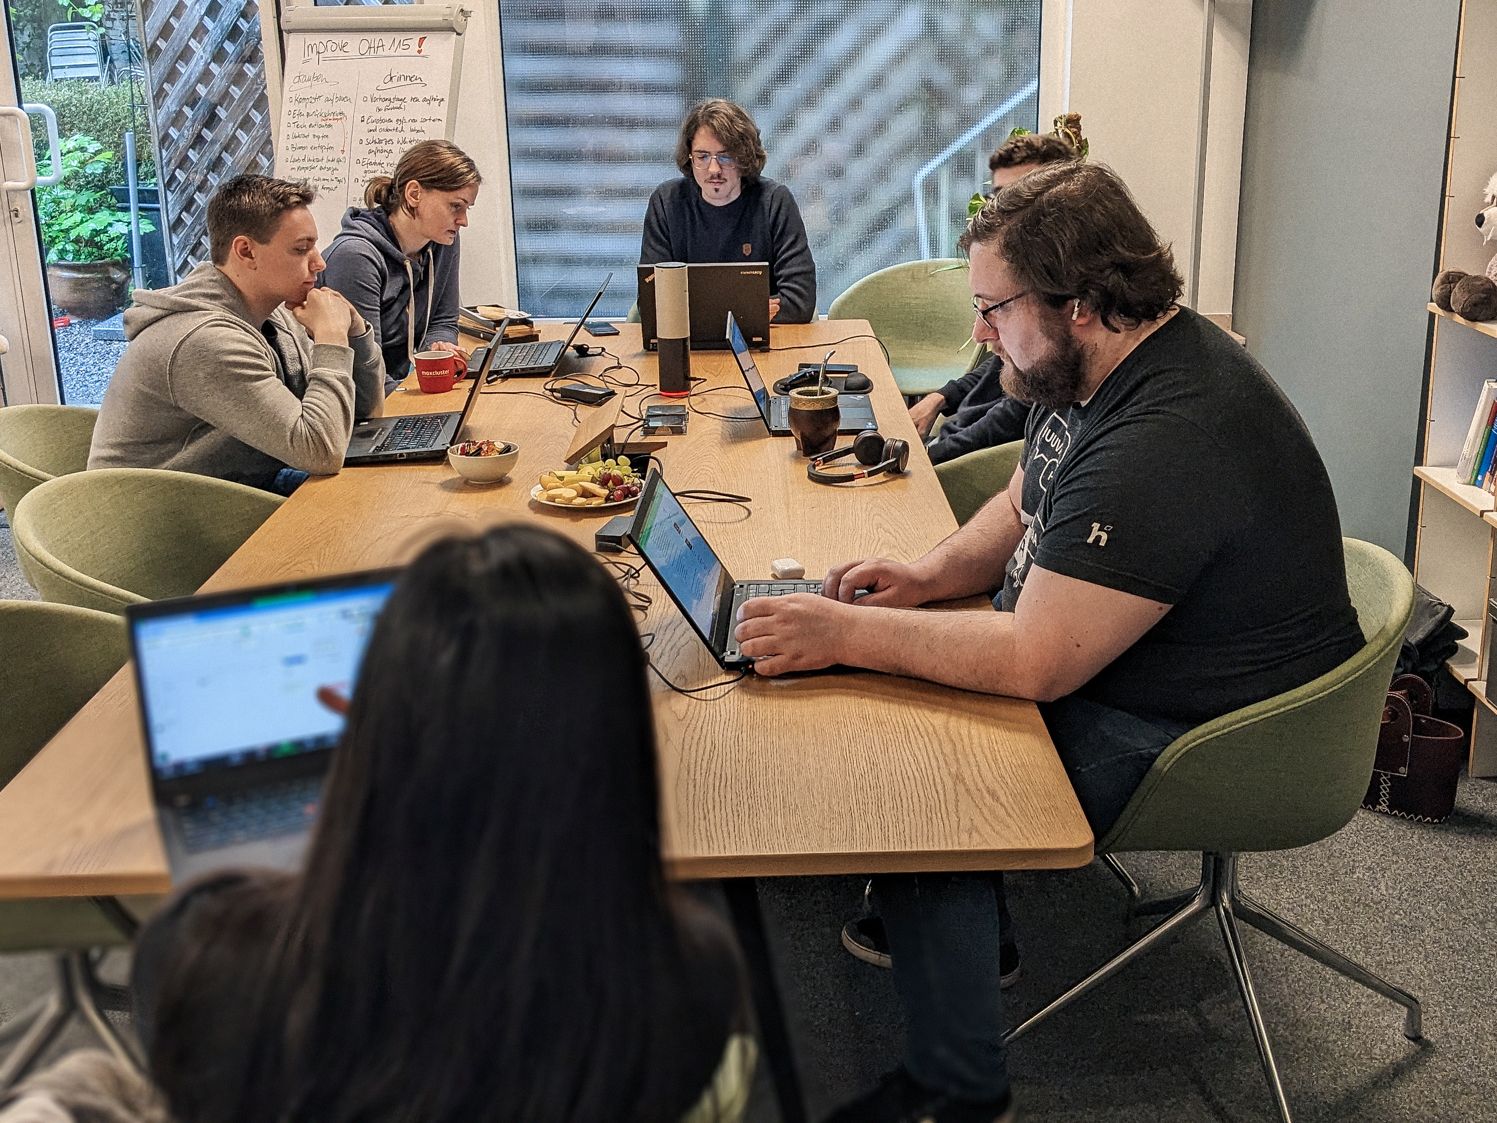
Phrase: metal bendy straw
pixel 821 378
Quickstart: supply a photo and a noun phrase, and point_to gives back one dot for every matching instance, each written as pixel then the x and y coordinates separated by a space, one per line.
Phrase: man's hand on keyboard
pixel 801 632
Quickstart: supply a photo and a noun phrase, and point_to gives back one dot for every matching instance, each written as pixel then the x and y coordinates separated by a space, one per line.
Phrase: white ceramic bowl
pixel 485 469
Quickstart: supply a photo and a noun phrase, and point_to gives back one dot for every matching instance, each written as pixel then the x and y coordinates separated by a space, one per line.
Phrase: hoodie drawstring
pixel 410 306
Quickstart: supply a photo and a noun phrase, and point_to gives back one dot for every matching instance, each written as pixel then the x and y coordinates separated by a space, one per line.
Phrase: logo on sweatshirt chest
pixel 748 249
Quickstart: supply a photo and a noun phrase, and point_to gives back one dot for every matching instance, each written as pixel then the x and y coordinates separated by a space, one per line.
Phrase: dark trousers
pixel 944 929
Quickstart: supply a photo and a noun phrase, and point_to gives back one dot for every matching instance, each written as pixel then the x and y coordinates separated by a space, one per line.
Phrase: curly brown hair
pixel 1070 231
pixel 1030 148
pixel 734 129
pixel 251 205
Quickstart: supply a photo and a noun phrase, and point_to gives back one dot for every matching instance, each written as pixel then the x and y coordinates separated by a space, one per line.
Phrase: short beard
pixel 1053 381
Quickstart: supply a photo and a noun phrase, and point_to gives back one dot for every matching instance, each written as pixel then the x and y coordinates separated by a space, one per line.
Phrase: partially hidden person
pixel 440 957
pixel 722 208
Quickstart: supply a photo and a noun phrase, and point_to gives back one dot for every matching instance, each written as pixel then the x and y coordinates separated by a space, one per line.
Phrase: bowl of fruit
pixel 483 462
pixel 596 486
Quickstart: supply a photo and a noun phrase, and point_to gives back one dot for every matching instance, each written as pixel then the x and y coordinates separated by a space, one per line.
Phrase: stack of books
pixel 1475 466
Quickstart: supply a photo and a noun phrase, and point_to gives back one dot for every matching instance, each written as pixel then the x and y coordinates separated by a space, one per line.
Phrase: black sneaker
pixel 900 1099
pixel 864 938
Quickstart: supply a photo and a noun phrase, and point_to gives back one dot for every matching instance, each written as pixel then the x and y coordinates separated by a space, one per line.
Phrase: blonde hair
pixel 437 165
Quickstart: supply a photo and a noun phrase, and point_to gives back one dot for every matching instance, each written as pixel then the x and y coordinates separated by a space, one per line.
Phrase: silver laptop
pixel 714 290
pixel 238 735
pixel 416 436
pixel 539 359
pixel 856 409
pixel 693 575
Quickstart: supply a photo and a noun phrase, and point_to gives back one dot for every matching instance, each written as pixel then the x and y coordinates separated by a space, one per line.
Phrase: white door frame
pixel 30 369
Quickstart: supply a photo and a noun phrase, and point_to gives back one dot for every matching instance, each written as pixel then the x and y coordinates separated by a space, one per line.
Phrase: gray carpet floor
pixel 1167 1039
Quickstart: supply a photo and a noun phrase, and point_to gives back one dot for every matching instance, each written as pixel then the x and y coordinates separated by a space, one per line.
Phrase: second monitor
pixel 714 290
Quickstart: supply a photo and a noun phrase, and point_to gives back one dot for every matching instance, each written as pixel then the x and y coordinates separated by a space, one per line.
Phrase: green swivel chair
pixel 922 313
pixel 1285 772
pixel 116 536
pixel 38 443
pixel 53 658
pixel 970 481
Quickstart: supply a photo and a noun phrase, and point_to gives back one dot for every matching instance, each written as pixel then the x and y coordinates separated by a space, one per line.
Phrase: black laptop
pixel 238 735
pixel 856 409
pixel 543 358
pixel 692 574
pixel 713 290
pixel 417 436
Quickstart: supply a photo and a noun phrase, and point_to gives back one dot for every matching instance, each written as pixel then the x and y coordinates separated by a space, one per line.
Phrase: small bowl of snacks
pixel 483 462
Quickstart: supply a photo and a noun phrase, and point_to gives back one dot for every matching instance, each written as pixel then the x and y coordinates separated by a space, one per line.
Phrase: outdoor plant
pixel 99 111
pixel 78 215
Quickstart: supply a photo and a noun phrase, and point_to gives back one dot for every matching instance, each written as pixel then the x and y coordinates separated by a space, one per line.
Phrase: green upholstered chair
pixel 40 442
pixel 116 536
pixel 53 658
pixel 970 481
pixel 1283 773
pixel 922 312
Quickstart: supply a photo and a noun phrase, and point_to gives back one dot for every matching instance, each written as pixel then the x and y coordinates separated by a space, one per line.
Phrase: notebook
pixel 417 436
pixel 856 409
pixel 713 290
pixel 692 573
pixel 237 739
pixel 543 358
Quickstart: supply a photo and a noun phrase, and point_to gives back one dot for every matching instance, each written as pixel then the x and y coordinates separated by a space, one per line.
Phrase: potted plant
pixel 87 240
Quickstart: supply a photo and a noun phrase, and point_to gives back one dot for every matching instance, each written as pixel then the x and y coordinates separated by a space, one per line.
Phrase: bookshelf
pixel 1455 545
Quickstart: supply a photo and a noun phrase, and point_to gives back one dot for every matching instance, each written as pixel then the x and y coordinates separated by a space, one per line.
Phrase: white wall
pixel 1348 105
pixel 1135 72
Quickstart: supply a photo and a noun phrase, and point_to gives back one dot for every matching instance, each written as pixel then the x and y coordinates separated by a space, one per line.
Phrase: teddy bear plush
pixel 1466 294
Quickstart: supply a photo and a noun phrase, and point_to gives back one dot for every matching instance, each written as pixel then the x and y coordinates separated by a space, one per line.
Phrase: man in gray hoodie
pixel 245 369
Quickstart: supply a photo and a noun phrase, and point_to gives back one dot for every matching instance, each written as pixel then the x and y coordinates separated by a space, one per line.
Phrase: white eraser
pixel 786 568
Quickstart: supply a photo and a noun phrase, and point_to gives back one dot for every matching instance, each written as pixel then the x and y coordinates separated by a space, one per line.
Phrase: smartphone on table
pixel 599 327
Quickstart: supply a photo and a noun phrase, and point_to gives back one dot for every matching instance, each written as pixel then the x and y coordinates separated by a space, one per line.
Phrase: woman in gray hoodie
pixel 395 258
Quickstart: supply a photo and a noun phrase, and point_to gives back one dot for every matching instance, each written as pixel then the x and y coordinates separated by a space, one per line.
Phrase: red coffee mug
pixel 438 371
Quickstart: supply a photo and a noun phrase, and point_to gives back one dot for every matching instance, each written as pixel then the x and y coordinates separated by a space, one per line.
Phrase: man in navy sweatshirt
pixel 722 209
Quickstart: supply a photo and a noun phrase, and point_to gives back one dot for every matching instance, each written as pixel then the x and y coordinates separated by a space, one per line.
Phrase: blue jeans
pixel 944 929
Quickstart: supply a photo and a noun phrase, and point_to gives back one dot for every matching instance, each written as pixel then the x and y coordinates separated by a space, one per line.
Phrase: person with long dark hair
pixel 440 958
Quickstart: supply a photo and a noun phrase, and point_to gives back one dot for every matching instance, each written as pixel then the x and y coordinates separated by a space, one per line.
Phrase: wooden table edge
pixel 860 863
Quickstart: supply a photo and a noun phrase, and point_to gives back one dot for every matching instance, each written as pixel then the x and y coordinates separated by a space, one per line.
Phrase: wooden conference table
pixel 817 774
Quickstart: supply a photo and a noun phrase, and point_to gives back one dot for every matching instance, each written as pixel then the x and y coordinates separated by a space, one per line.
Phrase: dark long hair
pixel 483 930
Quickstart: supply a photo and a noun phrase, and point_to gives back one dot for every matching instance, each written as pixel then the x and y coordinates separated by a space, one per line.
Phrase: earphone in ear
pixel 1075 310
pixel 874 453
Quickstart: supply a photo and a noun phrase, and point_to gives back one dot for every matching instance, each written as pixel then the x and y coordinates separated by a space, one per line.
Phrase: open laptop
pixel 714 289
pixel 692 574
pixel 417 436
pixel 856 409
pixel 236 737
pixel 542 358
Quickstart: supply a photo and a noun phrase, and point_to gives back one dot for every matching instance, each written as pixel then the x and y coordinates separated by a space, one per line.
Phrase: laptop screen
pixel 233 679
pixel 749 368
pixel 675 549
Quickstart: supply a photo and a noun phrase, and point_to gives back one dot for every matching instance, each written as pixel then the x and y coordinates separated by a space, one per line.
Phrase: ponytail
pixel 377 194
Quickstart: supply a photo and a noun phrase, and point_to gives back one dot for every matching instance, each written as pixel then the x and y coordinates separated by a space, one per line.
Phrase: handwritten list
pixel 352 103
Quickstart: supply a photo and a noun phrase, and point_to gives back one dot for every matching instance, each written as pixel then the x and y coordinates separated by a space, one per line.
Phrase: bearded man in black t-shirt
pixel 1168 550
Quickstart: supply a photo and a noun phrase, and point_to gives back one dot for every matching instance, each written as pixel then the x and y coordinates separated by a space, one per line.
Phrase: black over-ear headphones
pixel 875 455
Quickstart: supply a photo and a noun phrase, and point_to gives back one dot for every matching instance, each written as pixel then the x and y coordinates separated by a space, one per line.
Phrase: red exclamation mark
pixel 420 43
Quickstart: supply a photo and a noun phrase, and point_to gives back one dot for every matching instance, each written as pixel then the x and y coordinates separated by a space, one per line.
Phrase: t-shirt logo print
pixel 1098 536
pixel 1049 448
pixel 748 249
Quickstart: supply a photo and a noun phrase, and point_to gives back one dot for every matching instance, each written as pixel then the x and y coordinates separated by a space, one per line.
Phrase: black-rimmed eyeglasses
pixel 991 308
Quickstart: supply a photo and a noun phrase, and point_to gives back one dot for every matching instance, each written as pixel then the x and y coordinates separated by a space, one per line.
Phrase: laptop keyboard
pixel 413 432
pixel 516 356
pixel 777 588
pixel 219 821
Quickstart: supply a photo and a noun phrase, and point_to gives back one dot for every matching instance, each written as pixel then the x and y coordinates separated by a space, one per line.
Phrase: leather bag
pixel 1418 759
